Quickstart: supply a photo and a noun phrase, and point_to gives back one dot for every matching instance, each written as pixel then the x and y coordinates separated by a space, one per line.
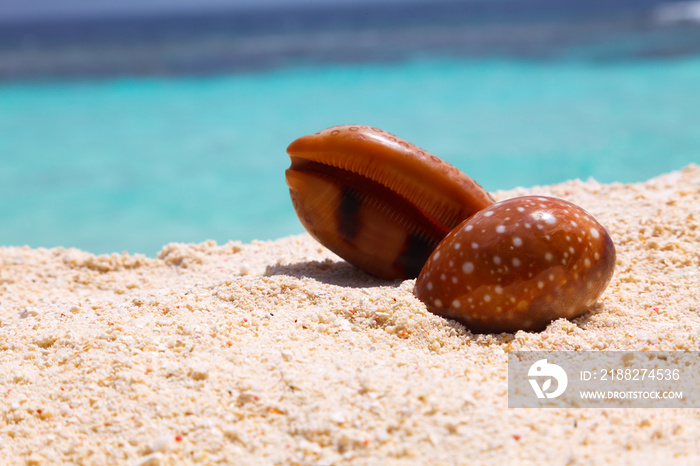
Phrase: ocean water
pixel 131 164
pixel 126 162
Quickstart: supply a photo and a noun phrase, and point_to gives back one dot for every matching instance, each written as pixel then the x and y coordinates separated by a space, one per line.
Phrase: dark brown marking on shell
pixel 348 222
pixel 416 251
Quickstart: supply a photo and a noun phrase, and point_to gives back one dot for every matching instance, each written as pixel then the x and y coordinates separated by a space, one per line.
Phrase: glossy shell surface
pixel 376 200
pixel 518 265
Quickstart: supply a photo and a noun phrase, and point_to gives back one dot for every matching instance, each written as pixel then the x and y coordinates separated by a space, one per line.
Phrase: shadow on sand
pixel 339 273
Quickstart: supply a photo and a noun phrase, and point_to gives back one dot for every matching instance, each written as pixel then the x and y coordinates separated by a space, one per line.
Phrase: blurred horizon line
pixel 130 9
pixel 518 10
pixel 207 42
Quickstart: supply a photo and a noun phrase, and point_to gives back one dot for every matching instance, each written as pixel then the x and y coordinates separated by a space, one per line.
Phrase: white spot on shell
pixel 521 209
pixel 468 267
pixel 549 218
pixel 436 255
pixel 594 233
pixel 475 245
pixel 517 241
pixel 487 298
pixel 489 213
pixel 548 256
pixel 587 262
pixel 459 245
pixel 516 262
pixel 456 303
pixel 496 260
pixel 438 303
pixel 430 286
pixel 468 228
pixel 500 229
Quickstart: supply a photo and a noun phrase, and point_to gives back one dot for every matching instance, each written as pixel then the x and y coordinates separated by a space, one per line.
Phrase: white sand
pixel 278 352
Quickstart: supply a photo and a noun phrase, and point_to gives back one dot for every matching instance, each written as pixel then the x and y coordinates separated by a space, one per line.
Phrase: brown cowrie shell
pixel 518 265
pixel 376 200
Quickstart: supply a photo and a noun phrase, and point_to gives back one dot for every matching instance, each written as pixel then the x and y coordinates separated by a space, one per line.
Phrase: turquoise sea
pixel 132 163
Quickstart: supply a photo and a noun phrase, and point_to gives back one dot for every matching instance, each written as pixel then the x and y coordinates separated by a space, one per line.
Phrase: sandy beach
pixel 281 353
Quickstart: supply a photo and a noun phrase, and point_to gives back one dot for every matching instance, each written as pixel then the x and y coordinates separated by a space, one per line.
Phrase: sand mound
pixel 278 352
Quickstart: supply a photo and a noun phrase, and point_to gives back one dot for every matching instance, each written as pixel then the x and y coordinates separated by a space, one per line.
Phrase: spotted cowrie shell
pixel 518 265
